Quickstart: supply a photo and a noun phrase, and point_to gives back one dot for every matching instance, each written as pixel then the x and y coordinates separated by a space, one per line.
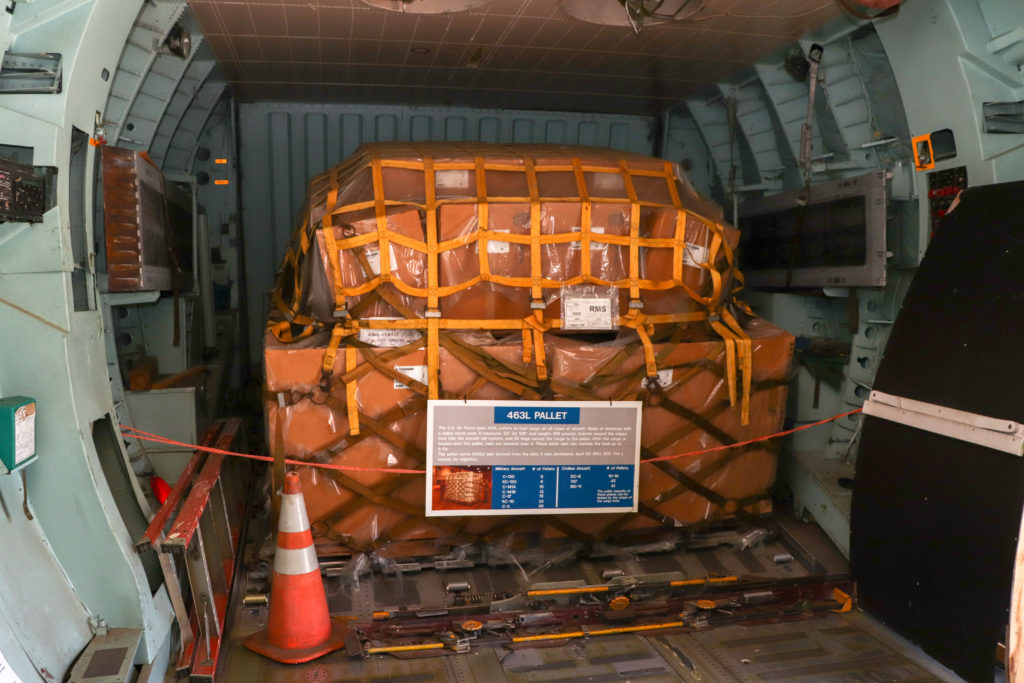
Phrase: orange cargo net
pixel 496 180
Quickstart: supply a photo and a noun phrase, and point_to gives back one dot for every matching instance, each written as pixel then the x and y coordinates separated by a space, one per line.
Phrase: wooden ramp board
pixel 934 519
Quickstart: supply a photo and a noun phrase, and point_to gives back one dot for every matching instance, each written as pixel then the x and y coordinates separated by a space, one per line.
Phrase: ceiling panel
pixel 505 53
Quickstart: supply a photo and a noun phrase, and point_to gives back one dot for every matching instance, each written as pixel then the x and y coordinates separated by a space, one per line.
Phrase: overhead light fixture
pixel 635 14
pixel 425 6
pixel 179 42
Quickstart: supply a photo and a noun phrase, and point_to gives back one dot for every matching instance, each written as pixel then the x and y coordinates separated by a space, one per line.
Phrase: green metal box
pixel 17 432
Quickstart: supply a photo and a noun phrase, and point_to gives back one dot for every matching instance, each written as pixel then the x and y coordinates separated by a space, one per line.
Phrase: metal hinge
pixel 1001 435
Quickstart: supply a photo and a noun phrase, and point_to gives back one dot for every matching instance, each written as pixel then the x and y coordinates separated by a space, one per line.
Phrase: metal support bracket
pixel 31 73
pixel 1003 117
pixel 1001 435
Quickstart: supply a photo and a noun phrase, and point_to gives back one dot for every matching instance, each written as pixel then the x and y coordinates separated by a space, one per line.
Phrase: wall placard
pixel 532 457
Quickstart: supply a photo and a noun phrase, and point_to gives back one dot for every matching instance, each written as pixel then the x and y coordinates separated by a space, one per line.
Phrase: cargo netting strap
pixel 384 283
pixel 328 238
pixel 523 381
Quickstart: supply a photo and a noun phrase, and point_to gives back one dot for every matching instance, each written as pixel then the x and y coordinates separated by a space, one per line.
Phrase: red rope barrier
pixel 750 441
pixel 134 433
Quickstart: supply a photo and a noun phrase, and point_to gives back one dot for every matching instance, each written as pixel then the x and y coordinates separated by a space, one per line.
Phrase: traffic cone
pixel 299 628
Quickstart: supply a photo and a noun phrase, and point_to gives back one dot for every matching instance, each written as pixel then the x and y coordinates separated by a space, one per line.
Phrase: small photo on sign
pixel 461 488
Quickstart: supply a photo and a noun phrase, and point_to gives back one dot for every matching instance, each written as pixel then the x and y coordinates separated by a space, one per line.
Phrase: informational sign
pixel 532 457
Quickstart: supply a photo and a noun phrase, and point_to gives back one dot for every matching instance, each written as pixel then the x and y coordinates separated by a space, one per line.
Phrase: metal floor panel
pixel 835 648
pixel 828 647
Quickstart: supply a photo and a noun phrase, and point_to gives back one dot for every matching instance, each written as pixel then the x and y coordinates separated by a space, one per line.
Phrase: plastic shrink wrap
pixel 439 271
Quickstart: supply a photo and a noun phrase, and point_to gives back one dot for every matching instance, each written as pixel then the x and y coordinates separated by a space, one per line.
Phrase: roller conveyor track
pixel 734 606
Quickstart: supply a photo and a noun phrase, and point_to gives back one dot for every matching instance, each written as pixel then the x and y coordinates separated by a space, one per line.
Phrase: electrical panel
pixel 943 187
pixel 22 193
pixel 17 432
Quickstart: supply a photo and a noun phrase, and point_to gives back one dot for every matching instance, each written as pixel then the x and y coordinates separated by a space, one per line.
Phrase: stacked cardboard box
pixel 484 238
pixel 694 414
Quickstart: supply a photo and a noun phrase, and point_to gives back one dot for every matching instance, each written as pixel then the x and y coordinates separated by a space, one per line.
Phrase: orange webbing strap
pixel 380 212
pixel 738 358
pixel 745 350
pixel 494 370
pixel 730 357
pixel 536 271
pixel 540 355
pixel 380 363
pixel 332 351
pixel 586 217
pixel 742 305
pixel 605 374
pixel 737 277
pixel 537 326
pixel 650 361
pixel 432 258
pixel 352 404
pixel 333 255
pixel 527 343
pixel 634 233
pixel 716 277
pixel 282 329
pixel 483 218
pixel 433 313
pixel 679 248
pixel 382 358
pixel 433 358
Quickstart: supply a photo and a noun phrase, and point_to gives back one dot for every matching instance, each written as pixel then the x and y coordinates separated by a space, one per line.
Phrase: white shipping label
pixel 24 433
pixel 588 313
pixel 694 255
pixel 416 372
pixel 451 180
pixel 373 258
pixel 664 379
pixel 594 230
pixel 496 247
pixel 7 674
pixel 389 337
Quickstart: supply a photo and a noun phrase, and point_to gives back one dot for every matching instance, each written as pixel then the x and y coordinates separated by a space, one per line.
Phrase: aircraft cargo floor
pixel 775 622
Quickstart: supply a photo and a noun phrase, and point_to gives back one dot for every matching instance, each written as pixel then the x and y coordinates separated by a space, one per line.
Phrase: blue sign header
pixel 519 415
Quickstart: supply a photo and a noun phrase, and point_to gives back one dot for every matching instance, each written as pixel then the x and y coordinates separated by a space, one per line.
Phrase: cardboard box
pixel 693 386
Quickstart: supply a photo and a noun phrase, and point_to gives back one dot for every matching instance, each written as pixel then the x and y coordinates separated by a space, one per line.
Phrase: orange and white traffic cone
pixel 299 628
